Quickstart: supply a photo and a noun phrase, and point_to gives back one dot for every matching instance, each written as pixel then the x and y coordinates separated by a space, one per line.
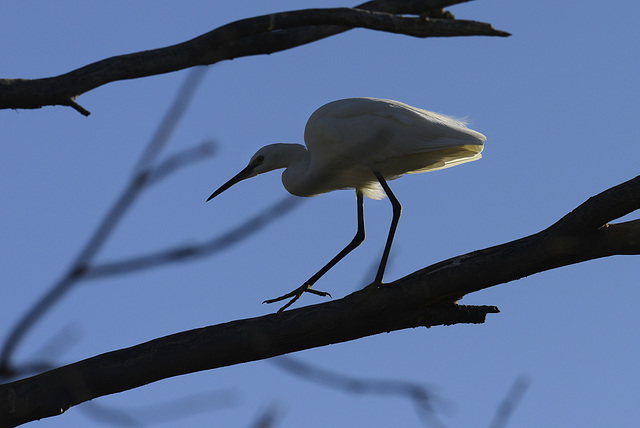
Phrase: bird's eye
pixel 259 160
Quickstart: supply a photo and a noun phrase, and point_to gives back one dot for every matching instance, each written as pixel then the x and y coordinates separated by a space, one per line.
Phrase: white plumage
pixel 360 143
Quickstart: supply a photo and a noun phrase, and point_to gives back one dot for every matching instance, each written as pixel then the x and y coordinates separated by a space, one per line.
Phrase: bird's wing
pixel 376 132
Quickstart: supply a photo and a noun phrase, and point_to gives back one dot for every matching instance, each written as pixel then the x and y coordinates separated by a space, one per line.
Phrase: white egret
pixel 360 143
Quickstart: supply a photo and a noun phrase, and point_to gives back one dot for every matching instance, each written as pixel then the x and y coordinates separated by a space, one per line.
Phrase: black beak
pixel 245 173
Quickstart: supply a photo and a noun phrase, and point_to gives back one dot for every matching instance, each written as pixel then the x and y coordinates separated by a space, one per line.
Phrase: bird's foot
pixel 295 295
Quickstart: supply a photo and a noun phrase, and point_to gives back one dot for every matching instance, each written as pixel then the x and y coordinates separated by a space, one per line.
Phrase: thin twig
pixel 508 406
pixel 193 252
pixel 266 418
pixel 421 397
pixel 171 119
pixel 162 412
pixel 179 160
pixel 121 206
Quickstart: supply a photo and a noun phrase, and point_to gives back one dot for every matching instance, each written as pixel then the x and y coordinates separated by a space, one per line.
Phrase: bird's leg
pixel 306 287
pixel 397 211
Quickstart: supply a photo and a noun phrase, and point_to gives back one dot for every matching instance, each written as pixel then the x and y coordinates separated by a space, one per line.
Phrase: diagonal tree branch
pixel 508 405
pixel 144 175
pixel 609 205
pixel 192 252
pixel 579 236
pixel 252 36
pixel 53 392
pixel 423 298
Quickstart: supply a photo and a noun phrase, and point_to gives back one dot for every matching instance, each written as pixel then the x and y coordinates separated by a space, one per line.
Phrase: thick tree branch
pixel 579 236
pixel 260 35
pixel 423 298
pixel 53 392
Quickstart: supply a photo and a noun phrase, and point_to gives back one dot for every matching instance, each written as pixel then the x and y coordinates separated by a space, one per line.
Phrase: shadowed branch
pixel 421 397
pixel 423 298
pixel 253 36
pixel 165 412
pixel 508 406
pixel 144 174
pixel 192 252
pixel 148 171
pixel 53 392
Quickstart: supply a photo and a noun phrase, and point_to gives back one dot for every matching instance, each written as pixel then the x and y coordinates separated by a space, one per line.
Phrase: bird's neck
pixel 297 167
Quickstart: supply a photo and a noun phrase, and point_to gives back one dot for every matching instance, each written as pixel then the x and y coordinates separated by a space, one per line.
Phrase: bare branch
pixel 193 252
pixel 134 188
pixel 559 245
pixel 77 107
pixel 162 412
pixel 421 397
pixel 267 418
pixel 260 35
pixel 600 209
pixel 180 160
pixel 419 299
pixel 170 121
pixel 53 392
pixel 510 402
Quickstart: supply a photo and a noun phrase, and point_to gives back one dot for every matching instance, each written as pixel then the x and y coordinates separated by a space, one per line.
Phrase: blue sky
pixel 558 102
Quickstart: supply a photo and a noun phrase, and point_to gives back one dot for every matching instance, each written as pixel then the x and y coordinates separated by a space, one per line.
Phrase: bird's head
pixel 266 159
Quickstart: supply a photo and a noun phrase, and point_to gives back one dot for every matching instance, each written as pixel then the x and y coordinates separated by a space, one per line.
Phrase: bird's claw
pixel 295 295
pixel 318 293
